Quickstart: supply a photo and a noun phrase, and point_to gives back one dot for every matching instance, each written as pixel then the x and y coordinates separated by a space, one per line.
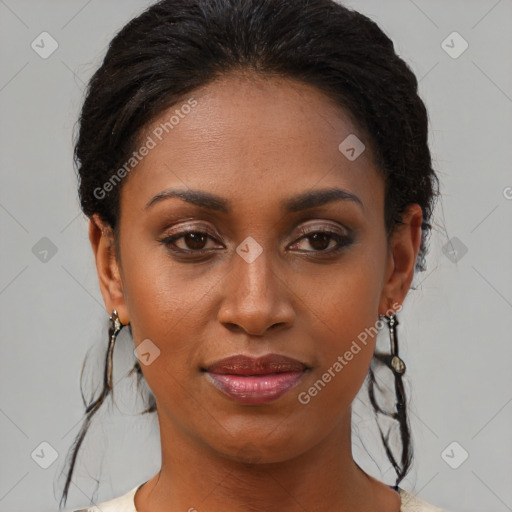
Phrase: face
pixel 280 248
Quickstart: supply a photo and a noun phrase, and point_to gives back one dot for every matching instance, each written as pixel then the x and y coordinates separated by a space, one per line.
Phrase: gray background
pixel 455 329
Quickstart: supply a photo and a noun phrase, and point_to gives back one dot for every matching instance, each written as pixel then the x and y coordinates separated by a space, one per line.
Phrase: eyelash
pixel 343 241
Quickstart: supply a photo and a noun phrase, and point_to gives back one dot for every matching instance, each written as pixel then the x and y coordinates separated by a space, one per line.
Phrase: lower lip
pixel 255 389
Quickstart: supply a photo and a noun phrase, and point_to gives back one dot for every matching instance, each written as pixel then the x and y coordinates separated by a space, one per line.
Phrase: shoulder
pixel 411 503
pixel 124 503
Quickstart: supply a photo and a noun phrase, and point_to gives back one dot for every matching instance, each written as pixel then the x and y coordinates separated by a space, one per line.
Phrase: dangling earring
pixel 397 366
pixel 113 331
pixel 396 363
pixel 393 360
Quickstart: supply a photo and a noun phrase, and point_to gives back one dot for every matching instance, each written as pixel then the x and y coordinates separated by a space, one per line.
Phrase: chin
pixel 263 448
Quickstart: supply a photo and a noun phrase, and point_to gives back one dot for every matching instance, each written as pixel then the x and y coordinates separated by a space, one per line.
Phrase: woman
pixel 259 188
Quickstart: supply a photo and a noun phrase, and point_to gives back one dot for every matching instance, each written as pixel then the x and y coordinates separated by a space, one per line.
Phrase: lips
pixel 244 365
pixel 255 381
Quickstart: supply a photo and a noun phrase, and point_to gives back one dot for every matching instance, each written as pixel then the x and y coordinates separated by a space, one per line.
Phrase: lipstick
pixel 251 380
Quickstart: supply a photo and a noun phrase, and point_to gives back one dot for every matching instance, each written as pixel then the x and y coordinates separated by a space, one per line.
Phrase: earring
pixel 393 360
pixel 113 331
pixel 397 365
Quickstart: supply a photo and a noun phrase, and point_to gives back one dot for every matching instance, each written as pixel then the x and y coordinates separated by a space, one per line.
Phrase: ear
pixel 102 241
pixel 403 250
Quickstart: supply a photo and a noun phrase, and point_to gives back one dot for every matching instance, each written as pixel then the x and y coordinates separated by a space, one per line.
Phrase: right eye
pixel 193 239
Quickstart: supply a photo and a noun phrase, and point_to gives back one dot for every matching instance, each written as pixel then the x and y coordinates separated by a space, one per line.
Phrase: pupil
pixel 322 237
pixel 195 240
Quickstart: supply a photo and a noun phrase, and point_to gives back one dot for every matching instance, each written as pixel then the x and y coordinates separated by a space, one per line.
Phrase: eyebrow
pixel 304 201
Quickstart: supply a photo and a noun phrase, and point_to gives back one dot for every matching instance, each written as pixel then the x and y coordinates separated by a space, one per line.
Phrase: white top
pixel 126 503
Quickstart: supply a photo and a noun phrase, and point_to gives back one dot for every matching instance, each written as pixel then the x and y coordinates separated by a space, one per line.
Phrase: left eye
pixel 320 240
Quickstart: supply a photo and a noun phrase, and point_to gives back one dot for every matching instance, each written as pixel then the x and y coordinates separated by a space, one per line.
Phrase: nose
pixel 256 297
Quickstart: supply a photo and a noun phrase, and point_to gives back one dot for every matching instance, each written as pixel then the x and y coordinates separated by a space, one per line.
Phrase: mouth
pixel 255 381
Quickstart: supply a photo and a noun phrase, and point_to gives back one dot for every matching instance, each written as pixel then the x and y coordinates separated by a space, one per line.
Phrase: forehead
pixel 249 137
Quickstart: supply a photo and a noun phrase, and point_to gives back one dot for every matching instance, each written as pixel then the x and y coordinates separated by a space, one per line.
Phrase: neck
pixel 193 477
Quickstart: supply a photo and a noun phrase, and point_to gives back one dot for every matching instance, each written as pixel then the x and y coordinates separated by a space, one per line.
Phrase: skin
pixel 256 141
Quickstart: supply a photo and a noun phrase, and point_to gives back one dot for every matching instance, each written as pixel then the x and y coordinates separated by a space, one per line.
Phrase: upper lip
pixel 245 365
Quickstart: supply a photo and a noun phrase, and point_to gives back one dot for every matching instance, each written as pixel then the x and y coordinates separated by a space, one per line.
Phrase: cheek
pixel 159 292
pixel 348 298
pixel 165 307
pixel 348 309
pixel 344 353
